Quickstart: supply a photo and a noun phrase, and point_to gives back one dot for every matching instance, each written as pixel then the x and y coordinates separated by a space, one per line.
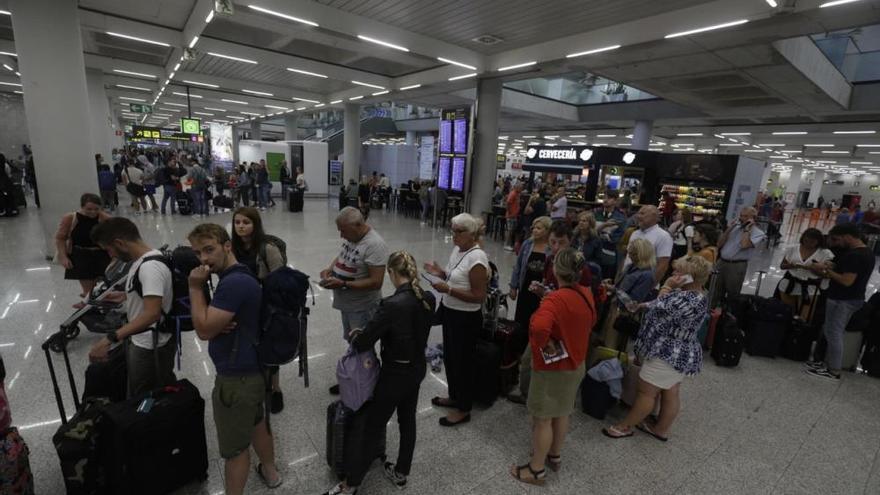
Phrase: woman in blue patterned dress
pixel 668 348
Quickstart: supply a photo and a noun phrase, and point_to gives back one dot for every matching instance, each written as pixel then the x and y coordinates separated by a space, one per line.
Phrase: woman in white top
pixel 797 278
pixel 682 233
pixel 464 284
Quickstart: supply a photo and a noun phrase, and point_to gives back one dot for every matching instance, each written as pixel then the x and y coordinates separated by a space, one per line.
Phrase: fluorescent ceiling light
pixel 319 105
pixel 215 109
pixel 304 99
pixel 207 85
pixel 135 38
pixel 590 52
pixel 682 144
pixel 230 57
pixel 334 102
pixel 283 16
pixel 772 145
pixel 576 136
pixel 162 114
pixel 303 108
pixel 8 68
pixel 855 132
pixel 169 109
pixel 275 107
pixel 187 95
pixel 836 2
pixel 790 151
pixel 204 113
pixel 414 86
pixel 868 145
pixel 210 17
pixel 790 133
pixel 707 28
pixel 861 163
pixel 176 67
pixel 518 66
pixel 259 93
pixel 754 151
pixel 300 71
pixel 133 87
pixel 175 104
pixel 9 54
pixel 193 42
pixel 730 144
pixel 735 134
pixel 465 76
pixel 689 134
pixel 606 135
pixel 794 161
pixel 772 3
pixel 381 93
pixel 234 101
pixel 353 98
pixel 130 73
pixel 368 85
pixel 819 145
pixel 835 152
pixel 5 12
pixel 249 113
pixel 171 76
pixel 383 43
pixel 453 62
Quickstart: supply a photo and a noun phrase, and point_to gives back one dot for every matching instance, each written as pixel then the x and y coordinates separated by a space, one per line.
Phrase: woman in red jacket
pixel 559 333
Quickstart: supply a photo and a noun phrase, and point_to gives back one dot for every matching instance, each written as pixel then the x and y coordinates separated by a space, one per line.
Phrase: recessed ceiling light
pixel 464 76
pixel 855 132
pixel 304 99
pixel 197 83
pixel 590 52
pixel 276 107
pixel 735 134
pixel 230 57
pixel 313 74
pixel 413 86
pixel 132 99
pixel 453 62
pixel 283 16
pixel 517 66
pixel 130 73
pixel 836 2
pixel 707 28
pixel 135 38
pixel 193 41
pixel 175 104
pixel 381 93
pixel 190 95
pixel 258 93
pixel 353 98
pixel 138 88
pixel 234 101
pixel 689 134
pixel 368 85
pixel 790 133
pixel 383 43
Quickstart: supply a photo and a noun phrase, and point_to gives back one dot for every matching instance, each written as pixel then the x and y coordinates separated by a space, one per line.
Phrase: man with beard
pixel 148 295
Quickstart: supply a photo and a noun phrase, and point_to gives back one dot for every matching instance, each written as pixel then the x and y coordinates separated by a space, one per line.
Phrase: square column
pixel 482 175
pixel 351 165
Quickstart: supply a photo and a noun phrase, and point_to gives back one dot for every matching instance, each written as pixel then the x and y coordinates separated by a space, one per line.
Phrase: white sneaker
pixel 508 248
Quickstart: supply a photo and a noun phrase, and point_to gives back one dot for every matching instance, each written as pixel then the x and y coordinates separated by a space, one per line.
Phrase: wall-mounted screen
pixel 190 126
pixel 445 136
pixel 443 172
pixel 458 166
pixel 459 134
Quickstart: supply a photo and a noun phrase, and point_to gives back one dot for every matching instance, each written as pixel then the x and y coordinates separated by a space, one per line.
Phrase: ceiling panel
pixel 518 22
pixel 261 73
pixel 168 13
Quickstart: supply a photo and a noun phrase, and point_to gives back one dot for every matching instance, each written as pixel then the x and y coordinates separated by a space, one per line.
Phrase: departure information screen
pixel 443 172
pixel 445 136
pixel 460 132
pixel 455 129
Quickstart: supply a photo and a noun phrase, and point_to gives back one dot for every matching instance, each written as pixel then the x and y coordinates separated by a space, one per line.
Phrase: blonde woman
pixel 668 348
pixel 636 281
pixel 529 268
pixel 402 322
pixel 586 238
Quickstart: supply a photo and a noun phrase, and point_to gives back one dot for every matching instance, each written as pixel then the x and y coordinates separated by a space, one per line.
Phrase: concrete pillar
pixel 99 110
pixel 351 167
pixel 256 130
pixel 291 122
pixel 56 102
pixel 482 176
pixel 410 138
pixel 816 187
pixel 642 134
pixel 793 184
pixel 764 177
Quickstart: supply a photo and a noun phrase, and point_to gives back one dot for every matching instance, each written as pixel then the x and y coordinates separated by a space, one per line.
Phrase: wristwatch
pixel 112 337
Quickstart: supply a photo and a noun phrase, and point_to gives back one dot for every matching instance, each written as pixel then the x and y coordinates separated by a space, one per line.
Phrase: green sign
pixel 273 164
pixel 190 126
pixel 140 108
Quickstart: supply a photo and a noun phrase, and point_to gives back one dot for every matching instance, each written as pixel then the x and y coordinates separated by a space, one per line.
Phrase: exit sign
pixel 140 108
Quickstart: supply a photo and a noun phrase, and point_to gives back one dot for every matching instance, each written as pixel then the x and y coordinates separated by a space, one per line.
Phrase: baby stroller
pixel 98 315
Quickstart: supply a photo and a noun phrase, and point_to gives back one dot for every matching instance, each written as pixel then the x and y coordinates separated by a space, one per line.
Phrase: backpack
pixel 729 342
pixel 283 316
pixel 278 243
pixel 180 261
pixel 106 180
pixel 357 374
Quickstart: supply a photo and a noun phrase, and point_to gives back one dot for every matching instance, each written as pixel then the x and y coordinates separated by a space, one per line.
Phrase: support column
pixel 291 124
pixel 816 187
pixel 56 102
pixel 482 175
pixel 410 138
pixel 793 184
pixel 99 109
pixel 351 166
pixel 256 130
pixel 768 170
pixel 236 139
pixel 641 139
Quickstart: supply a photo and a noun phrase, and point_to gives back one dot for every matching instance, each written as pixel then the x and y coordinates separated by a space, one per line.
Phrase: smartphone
pixel 687 279
pixel 146 405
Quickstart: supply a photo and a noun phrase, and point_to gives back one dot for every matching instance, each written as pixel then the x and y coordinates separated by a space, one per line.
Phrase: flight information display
pixel 460 133
pixel 445 136
pixel 458 174
pixel 443 172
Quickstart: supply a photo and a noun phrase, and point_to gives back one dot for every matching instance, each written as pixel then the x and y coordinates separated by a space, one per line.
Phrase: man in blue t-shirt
pixel 231 323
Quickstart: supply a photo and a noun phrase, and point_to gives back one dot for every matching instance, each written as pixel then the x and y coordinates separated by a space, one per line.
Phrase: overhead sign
pixel 190 126
pixel 556 159
pixel 140 108
pixel 221 145
pixel 139 133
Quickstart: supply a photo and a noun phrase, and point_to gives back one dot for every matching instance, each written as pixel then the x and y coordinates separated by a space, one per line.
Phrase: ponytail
pixel 403 263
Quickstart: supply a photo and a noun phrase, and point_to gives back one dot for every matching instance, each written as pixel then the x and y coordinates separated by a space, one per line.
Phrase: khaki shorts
pixel 238 407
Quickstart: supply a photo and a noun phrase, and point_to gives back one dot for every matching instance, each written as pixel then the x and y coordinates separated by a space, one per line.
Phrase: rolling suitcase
pixel 184 203
pixel 345 434
pixel 108 379
pixel 295 200
pixel 727 348
pixel 798 342
pixel 487 371
pixel 596 398
pixel 769 321
pixel 221 201
pixel 154 444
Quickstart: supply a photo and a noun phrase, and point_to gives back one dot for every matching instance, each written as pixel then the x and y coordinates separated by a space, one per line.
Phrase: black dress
pixel 527 302
pixel 89 260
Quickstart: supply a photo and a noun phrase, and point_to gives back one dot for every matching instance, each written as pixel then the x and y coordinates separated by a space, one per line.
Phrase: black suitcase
pixel 871 358
pixel 108 379
pixel 345 434
pixel 294 201
pixel 768 322
pixel 596 398
pixel 221 201
pixel 159 450
pixel 729 341
pixel 798 342
pixel 184 203
pixel 18 196
pixel 487 371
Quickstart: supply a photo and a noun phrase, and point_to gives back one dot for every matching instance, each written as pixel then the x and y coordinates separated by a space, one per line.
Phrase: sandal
pixel 615 433
pixel 274 484
pixel 538 477
pixel 554 462
pixel 443 402
pixel 645 429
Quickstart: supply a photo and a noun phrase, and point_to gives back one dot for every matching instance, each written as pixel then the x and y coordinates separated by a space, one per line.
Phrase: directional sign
pixel 140 108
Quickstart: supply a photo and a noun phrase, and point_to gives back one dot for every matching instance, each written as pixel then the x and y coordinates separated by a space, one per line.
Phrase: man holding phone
pixel 737 246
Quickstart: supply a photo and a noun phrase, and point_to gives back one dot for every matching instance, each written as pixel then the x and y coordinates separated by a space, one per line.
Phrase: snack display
pixel 697 200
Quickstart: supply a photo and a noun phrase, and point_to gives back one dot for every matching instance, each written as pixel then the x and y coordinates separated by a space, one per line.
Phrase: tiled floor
pixel 763 427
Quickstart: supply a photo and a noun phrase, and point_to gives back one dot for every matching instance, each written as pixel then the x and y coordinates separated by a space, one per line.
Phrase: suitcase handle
pixel 59 340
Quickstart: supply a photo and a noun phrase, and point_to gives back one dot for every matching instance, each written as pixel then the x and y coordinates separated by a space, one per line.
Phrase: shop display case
pixel 699 200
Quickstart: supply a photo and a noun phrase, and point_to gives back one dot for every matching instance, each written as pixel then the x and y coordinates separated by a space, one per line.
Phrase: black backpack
pixel 180 261
pixel 729 342
pixel 278 243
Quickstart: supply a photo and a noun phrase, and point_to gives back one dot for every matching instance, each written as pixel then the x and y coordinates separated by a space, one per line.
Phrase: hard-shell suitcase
pixel 487 371
pixel 798 342
pixel 295 200
pixel 769 321
pixel 345 438
pixel 157 448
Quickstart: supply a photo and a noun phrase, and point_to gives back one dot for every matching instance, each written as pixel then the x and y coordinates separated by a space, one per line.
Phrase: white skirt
pixel 660 374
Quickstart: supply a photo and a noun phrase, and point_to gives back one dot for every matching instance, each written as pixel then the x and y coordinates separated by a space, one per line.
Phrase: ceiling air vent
pixel 488 39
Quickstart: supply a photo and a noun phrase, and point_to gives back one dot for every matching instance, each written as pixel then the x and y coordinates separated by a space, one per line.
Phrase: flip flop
pixel 646 429
pixel 613 432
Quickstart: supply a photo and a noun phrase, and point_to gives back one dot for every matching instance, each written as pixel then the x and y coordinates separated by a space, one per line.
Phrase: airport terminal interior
pixel 712 116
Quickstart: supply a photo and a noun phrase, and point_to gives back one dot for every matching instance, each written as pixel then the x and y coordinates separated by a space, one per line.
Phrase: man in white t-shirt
pixel 559 208
pixel 148 295
pixel 648 217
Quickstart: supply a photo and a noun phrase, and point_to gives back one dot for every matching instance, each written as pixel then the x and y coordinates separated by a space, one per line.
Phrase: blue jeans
pixel 264 195
pixel 168 193
pixel 200 202
pixel 837 315
pixel 355 319
pixel 284 188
